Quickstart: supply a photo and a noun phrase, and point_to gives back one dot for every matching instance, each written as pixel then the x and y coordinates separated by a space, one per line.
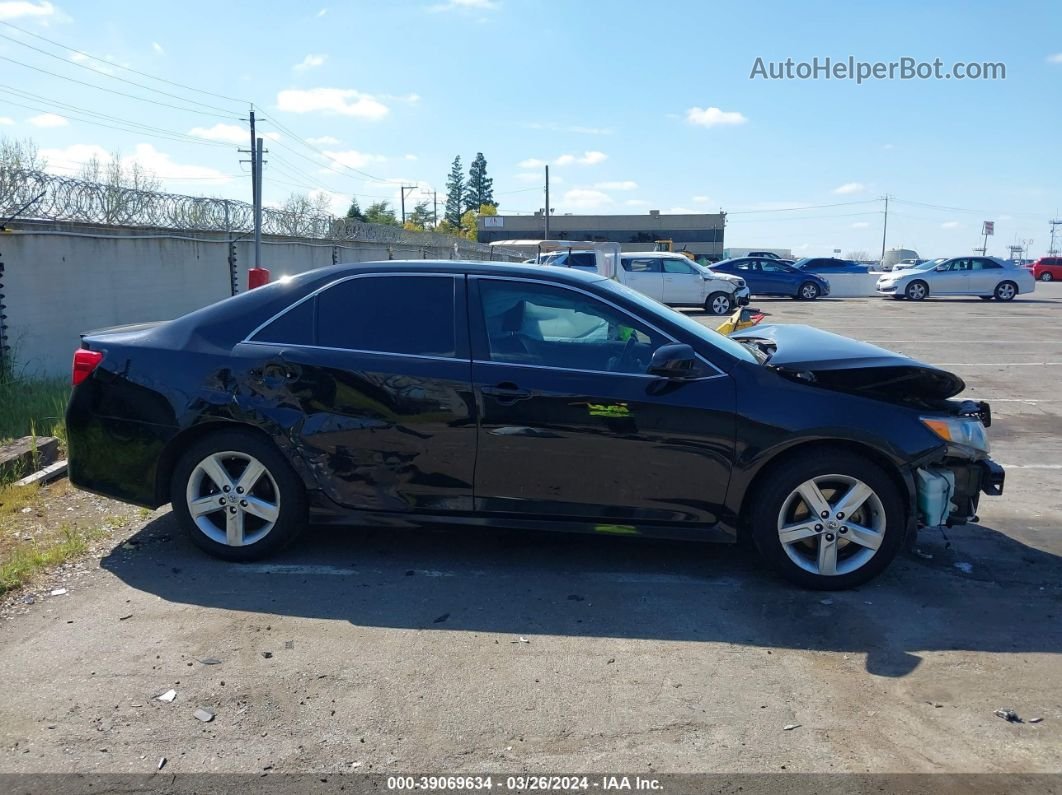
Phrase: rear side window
pixel 294 327
pixel 583 259
pixel 389 314
pixel 641 265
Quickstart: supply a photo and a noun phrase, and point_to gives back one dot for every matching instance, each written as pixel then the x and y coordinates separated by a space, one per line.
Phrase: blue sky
pixel 636 105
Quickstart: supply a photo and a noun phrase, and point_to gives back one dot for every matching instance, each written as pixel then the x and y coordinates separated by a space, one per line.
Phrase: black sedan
pixel 400 393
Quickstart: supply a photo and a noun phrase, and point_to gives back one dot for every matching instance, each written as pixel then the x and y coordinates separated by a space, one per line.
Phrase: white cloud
pixel 1055 58
pixel 849 188
pixel 703 200
pixel 950 225
pixel 713 117
pixel 157 48
pixel 229 133
pixel 322 12
pixel 323 140
pixel 344 101
pixel 625 184
pixel 412 97
pixel 585 199
pixel 635 203
pixel 6 120
pixel 464 5
pixel 585 159
pixel 860 225
pixel 353 158
pixel 532 162
pixel 48 120
pixel 409 157
pixel 20 9
pixel 311 61
pixel 159 163
pixel 340 202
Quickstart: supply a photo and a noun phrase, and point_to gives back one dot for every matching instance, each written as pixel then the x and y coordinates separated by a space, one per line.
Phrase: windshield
pixel 712 337
pixel 928 264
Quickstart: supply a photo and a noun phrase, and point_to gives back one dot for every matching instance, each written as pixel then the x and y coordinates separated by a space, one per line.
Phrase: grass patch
pixel 14 498
pixel 27 560
pixel 33 407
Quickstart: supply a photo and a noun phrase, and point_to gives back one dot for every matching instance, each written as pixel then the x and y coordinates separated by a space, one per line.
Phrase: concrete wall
pixel 63 279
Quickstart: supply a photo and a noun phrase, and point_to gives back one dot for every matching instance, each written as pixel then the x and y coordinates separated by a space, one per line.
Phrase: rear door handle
pixel 506 392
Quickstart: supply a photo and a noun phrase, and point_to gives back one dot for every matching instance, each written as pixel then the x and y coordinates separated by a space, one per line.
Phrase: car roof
pixel 658 254
pixel 471 267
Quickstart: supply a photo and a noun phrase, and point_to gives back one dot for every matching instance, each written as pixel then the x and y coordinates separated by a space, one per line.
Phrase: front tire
pixel 917 290
pixel 237 496
pixel 808 291
pixel 719 304
pixel 1005 291
pixel 860 534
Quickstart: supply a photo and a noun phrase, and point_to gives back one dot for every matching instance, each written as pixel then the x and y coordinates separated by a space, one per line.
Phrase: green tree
pixel 455 194
pixel 381 213
pixel 480 188
pixel 470 221
pixel 355 213
pixel 420 217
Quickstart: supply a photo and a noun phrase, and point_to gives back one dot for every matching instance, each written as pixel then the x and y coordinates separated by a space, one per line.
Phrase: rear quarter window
pixel 294 327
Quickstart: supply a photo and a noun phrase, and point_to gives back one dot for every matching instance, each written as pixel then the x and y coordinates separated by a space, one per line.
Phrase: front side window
pixel 677 266
pixel 412 315
pixel 641 264
pixel 556 327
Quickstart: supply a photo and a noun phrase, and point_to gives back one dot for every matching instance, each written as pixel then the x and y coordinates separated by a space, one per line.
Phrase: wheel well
pixel 804 449
pixel 185 439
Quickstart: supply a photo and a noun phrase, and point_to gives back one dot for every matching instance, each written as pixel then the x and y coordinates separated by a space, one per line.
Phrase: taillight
pixel 84 363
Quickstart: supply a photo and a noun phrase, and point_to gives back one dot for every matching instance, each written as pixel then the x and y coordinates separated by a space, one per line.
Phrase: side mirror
pixel 676 360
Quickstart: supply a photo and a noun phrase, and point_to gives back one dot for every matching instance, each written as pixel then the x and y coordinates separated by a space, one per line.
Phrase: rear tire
pixel 1046 277
pixel 719 304
pixel 917 290
pixel 237 497
pixel 1005 291
pixel 856 544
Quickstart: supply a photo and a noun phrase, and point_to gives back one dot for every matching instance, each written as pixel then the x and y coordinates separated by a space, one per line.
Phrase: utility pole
pixel 545 235
pixel 258 205
pixel 1054 226
pixel 434 209
pixel 885 227
pixel 404 189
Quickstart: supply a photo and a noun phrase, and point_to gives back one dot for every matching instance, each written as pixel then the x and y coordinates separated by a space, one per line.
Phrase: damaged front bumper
pixel 949 492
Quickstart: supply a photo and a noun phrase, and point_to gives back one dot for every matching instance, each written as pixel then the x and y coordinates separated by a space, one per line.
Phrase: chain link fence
pixel 35 195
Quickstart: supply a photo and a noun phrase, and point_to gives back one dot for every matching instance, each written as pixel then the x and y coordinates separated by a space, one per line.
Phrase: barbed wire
pixel 36 195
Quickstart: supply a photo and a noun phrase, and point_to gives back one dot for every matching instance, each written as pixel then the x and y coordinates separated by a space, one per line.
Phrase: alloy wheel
pixel 1046 277
pixel 916 291
pixel 233 499
pixel 809 292
pixel 831 525
pixel 720 305
pixel 1006 291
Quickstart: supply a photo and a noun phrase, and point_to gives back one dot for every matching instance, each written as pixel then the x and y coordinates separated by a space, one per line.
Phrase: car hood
pixel 847 365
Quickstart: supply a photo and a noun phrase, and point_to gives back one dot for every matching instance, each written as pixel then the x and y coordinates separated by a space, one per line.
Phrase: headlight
pixel 961 431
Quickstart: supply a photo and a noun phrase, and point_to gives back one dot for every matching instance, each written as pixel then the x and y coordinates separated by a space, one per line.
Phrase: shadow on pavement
pixel 1004 597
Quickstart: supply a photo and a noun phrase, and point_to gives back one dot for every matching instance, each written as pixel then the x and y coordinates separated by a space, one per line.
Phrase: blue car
pixel 771 277
pixel 829 265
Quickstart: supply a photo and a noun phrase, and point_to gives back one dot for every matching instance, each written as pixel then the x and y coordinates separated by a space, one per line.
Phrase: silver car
pixel 985 277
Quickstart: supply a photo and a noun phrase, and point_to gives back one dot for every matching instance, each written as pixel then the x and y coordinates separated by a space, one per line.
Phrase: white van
pixel 670 278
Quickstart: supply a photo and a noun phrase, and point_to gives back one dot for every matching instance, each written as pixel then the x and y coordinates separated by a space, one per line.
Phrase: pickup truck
pixel 670 278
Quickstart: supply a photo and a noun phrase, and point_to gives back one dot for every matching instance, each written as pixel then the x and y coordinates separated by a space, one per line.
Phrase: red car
pixel 1047 269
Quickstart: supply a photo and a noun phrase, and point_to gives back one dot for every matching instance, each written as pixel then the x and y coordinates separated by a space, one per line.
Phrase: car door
pixel 777 278
pixel 984 276
pixel 644 274
pixel 371 380
pixel 683 284
pixel 747 270
pixel 951 277
pixel 570 423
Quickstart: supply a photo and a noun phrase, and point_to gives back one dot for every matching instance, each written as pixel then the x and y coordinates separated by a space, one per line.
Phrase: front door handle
pixel 506 392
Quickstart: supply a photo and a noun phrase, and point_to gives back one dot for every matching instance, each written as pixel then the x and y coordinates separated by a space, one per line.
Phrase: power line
pixel 177 136
pixel 126 68
pixel 114 91
pixel 313 148
pixel 105 74
pixel 166 137
pixel 806 207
